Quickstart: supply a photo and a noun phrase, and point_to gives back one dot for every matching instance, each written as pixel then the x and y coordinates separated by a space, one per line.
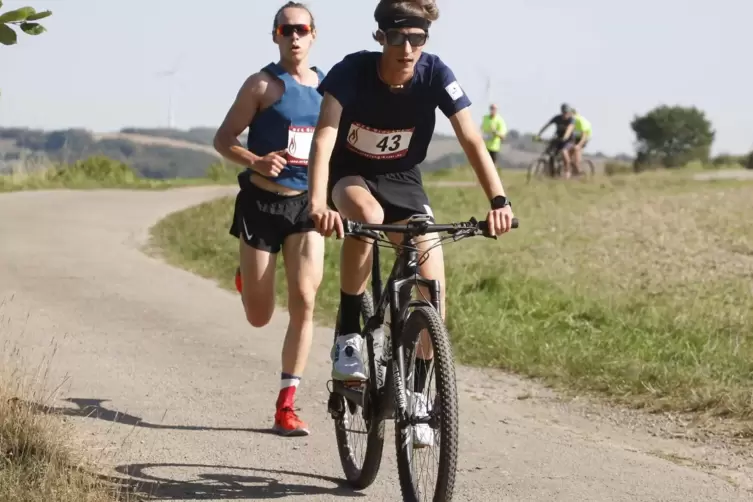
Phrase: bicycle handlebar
pixel 417 228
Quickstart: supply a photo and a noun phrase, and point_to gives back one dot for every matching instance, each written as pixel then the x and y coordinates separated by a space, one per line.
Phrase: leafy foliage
pixel 672 136
pixel 23 18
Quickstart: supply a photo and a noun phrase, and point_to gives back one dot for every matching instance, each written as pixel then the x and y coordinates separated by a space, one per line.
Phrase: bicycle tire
pixel 591 171
pixel 359 477
pixel 535 169
pixel 426 317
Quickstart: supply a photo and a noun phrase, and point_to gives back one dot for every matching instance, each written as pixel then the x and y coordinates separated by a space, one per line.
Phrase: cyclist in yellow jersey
pixel 494 130
pixel 581 137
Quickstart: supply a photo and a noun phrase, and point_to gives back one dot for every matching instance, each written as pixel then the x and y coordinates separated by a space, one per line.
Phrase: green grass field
pixel 635 287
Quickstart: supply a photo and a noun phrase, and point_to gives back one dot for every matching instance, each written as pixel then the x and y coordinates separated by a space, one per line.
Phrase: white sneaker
pixel 347 362
pixel 423 434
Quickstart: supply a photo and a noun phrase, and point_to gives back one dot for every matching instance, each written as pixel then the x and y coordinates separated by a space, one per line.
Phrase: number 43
pixel 384 145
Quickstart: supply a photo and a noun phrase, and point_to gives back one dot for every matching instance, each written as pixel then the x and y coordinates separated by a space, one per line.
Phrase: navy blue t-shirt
pixel 382 131
pixel 561 124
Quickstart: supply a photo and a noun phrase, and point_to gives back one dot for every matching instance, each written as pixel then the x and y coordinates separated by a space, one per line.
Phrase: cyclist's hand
pixel 499 220
pixel 327 221
pixel 271 164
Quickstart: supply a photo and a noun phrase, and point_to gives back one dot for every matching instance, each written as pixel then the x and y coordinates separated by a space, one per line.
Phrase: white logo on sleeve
pixel 454 90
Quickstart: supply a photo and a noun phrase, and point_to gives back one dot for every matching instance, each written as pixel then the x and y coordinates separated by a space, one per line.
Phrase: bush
pixel 99 169
pixel 614 168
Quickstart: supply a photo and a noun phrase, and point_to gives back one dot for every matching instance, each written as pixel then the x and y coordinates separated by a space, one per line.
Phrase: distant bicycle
pixel 551 164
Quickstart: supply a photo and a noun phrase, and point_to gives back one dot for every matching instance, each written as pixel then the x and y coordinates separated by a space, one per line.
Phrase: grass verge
pixel 635 287
pixel 101 172
pixel 35 463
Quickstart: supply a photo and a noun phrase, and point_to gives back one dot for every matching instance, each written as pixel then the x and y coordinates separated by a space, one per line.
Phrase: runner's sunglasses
pixel 397 38
pixel 287 30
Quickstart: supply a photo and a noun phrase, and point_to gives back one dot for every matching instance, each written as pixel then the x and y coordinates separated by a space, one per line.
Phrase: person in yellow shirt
pixel 581 136
pixel 494 129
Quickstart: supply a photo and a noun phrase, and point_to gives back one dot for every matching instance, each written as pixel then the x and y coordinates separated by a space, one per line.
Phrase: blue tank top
pixel 288 125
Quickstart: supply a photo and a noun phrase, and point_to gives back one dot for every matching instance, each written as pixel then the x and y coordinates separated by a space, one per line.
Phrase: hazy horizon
pixel 96 66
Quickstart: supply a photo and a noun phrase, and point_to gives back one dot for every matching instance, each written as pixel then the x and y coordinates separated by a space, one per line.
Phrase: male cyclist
pixel 375 125
pixel 563 136
pixel 280 106
pixel 581 137
pixel 494 130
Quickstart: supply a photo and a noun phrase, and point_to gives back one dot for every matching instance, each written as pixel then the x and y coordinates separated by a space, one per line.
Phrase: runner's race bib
pixel 379 144
pixel 299 145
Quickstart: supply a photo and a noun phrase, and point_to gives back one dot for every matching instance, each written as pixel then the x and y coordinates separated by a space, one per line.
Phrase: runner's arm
pixel 241 113
pixel 502 132
pixel 475 149
pixel 322 145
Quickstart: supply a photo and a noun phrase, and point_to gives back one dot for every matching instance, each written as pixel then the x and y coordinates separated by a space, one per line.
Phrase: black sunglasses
pixel 287 30
pixel 397 38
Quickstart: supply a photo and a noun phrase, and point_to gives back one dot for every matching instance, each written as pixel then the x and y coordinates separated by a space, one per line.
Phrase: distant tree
pixel 749 163
pixel 672 136
pixel 24 19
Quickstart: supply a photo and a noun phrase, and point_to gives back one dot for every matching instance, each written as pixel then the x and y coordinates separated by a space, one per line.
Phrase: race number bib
pixel 378 144
pixel 299 145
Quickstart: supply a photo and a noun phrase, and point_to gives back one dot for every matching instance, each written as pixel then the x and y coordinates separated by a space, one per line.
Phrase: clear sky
pixel 95 67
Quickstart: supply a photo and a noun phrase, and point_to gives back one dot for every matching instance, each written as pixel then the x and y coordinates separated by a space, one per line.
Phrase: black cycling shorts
pixel 265 219
pixel 401 195
pixel 557 144
pixel 493 155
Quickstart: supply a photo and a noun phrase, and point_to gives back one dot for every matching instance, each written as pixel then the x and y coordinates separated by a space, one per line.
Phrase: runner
pixel 581 137
pixel 494 129
pixel 280 106
pixel 375 125
pixel 562 141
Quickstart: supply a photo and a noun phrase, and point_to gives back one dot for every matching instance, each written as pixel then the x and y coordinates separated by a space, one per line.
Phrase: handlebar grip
pixel 484 226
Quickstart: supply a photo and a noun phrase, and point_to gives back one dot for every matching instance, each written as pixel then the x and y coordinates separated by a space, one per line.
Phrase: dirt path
pixel 164 380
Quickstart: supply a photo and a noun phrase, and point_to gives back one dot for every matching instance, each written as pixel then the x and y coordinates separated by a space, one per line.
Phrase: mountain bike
pixel 390 393
pixel 551 164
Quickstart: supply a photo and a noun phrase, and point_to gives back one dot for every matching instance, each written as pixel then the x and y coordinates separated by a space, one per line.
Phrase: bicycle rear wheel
pixel 441 409
pixel 359 435
pixel 590 169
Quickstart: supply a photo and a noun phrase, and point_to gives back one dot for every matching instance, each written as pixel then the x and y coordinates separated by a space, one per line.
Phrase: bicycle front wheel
pixel 435 440
pixel 359 433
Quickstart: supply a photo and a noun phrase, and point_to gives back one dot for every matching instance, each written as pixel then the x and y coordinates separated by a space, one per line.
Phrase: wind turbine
pixel 170 76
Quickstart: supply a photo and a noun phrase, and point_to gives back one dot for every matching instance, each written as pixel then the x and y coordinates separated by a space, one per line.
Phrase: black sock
pixel 350 313
pixel 421 373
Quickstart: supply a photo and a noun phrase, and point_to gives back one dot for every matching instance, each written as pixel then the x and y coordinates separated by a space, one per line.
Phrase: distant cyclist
pixel 375 125
pixel 581 137
pixel 563 135
pixel 494 130
pixel 280 106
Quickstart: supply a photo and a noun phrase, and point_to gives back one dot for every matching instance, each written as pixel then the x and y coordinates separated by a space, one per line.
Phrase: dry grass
pixel 634 287
pixel 36 463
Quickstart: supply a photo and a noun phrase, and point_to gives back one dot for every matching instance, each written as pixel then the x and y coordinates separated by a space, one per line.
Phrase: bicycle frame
pixel 390 397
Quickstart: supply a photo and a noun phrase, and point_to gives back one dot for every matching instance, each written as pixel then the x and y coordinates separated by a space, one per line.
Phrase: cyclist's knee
pixel 367 211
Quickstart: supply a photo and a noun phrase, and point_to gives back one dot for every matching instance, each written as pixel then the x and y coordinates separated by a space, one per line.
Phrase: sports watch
pixel 500 201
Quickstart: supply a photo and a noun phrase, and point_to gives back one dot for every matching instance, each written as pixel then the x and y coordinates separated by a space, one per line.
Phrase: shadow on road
pixel 201 482
pixel 92 408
